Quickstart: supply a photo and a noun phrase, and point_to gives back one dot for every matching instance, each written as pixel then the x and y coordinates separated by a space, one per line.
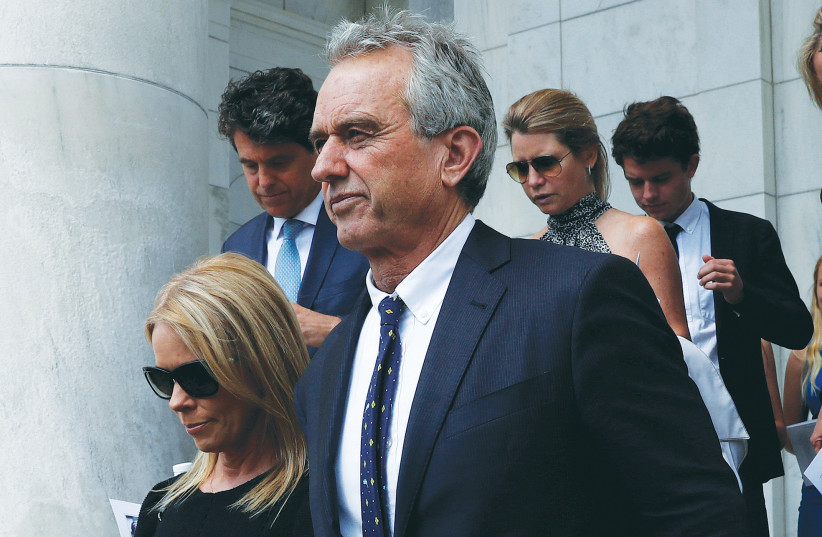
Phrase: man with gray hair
pixel 483 385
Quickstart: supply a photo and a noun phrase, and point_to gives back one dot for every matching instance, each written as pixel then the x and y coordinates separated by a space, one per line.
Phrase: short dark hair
pixel 271 107
pixel 657 129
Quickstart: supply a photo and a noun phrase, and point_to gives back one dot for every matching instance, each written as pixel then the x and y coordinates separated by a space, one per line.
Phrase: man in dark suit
pixel 483 385
pixel 736 285
pixel 266 117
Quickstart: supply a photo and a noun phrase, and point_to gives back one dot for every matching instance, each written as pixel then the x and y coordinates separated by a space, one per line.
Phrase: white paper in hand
pixel 814 471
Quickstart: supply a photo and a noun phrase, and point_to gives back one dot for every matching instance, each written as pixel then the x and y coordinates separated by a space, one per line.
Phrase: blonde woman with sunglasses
pixel 561 163
pixel 228 351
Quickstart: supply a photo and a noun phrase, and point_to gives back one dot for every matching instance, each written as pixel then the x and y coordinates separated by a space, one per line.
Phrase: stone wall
pixel 103 160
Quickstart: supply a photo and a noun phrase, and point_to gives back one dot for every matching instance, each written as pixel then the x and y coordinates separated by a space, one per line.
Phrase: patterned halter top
pixel 576 227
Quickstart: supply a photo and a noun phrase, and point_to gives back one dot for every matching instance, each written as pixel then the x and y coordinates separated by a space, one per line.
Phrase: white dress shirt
pixel 693 242
pixel 309 217
pixel 423 292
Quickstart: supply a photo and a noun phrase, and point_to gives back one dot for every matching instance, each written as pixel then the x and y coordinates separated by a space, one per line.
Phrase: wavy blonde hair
pixel 230 312
pixel 813 360
pixel 560 112
pixel 812 44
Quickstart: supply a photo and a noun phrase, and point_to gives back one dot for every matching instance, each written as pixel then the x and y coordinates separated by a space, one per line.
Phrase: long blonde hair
pixel 563 114
pixel 230 312
pixel 813 361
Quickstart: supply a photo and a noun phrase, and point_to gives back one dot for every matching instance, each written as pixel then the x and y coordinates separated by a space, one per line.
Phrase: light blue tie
pixel 287 269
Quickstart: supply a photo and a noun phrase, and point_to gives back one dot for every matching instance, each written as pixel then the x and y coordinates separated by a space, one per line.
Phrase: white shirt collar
pixel 309 215
pixel 689 219
pixel 423 290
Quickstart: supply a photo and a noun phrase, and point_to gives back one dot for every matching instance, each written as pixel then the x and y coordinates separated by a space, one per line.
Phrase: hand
pixel 721 275
pixel 816 436
pixel 315 326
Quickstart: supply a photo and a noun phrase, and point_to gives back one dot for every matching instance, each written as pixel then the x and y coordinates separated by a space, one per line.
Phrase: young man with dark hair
pixel 266 117
pixel 736 284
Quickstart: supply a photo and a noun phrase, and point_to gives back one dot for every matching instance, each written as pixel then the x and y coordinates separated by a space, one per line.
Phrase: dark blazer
pixel 553 400
pixel 334 276
pixel 771 310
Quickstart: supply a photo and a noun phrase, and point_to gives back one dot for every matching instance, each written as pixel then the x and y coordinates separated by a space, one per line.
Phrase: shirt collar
pixel 308 215
pixel 689 219
pixel 423 290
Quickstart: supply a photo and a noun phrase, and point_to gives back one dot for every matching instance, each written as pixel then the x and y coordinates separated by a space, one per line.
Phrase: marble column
pixel 104 194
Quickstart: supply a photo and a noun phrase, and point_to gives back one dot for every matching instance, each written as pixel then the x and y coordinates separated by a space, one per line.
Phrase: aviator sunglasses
pixel 193 377
pixel 546 166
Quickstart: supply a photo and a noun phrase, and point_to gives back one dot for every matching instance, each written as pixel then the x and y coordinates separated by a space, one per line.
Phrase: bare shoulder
pixel 796 362
pixel 797 357
pixel 539 233
pixel 627 234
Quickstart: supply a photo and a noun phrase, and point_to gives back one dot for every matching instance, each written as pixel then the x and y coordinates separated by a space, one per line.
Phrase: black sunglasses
pixel 193 377
pixel 546 165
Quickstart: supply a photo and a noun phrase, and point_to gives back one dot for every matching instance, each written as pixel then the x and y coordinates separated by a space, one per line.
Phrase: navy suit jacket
pixel 553 400
pixel 772 310
pixel 334 276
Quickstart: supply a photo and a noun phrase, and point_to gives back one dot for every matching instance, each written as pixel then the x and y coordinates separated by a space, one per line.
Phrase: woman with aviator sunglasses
pixel 229 350
pixel 561 163
pixel 563 168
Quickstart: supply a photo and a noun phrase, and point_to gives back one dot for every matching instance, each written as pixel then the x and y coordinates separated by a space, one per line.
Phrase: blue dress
pixel 810 508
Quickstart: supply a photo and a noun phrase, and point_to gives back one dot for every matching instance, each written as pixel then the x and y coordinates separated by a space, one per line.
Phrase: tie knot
pixel 672 229
pixel 291 228
pixel 391 308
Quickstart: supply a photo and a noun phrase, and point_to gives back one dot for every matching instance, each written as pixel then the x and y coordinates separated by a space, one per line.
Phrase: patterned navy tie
pixel 377 419
pixel 287 270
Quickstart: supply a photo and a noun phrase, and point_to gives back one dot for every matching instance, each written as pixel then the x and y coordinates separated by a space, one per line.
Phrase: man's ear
pixel 693 164
pixel 463 145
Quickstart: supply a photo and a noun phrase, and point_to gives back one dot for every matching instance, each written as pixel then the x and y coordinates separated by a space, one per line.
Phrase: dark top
pixel 576 227
pixel 209 515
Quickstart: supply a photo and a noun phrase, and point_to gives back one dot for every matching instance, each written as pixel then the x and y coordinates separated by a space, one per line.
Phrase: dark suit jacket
pixel 334 276
pixel 771 310
pixel 553 400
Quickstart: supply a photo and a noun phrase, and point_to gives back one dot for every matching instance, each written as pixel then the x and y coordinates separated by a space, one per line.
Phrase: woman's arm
pixel 773 389
pixel 660 266
pixel 793 409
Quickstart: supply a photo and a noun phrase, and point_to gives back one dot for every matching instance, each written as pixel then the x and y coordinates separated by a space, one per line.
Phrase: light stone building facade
pixel 108 112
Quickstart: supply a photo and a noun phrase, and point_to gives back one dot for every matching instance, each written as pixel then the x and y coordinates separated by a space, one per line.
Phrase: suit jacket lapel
pixel 259 238
pixel 721 248
pixel 323 246
pixel 336 377
pixel 469 305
